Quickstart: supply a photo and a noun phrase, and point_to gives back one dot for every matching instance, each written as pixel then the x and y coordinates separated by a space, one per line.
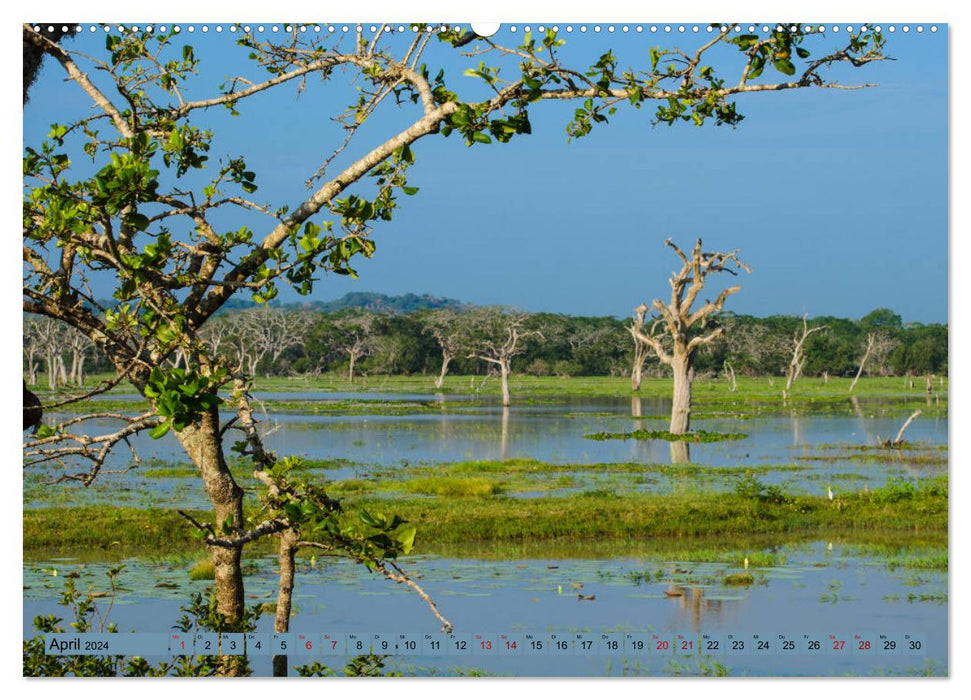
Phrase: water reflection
pixel 695 607
pixel 680 452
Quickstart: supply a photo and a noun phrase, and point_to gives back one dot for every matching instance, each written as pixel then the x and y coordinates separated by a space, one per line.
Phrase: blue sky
pixel 837 199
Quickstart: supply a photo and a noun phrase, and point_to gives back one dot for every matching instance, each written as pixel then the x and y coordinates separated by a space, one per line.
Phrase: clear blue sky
pixel 837 199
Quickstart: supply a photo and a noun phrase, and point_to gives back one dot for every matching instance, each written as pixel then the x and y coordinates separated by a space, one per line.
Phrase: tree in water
pixel 640 348
pixel 446 327
pixel 498 335
pixel 684 331
pixel 798 359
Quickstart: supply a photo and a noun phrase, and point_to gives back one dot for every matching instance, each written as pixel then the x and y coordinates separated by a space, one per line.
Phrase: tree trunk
pixel 635 374
pixel 350 371
pixel 440 382
pixel 869 348
pixel 504 371
pixel 281 623
pixel 204 447
pixel 681 398
pixel 51 371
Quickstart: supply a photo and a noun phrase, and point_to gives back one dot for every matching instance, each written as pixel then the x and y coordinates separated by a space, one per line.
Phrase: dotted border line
pixel 511 28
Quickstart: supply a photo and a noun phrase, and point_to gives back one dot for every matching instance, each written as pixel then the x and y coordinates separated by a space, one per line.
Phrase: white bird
pixel 829 492
pixel 746 562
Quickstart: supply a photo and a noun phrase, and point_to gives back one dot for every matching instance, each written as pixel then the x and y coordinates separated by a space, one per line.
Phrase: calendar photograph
pixel 531 350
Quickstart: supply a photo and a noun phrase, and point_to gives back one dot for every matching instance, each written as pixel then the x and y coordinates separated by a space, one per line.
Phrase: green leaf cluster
pixel 180 396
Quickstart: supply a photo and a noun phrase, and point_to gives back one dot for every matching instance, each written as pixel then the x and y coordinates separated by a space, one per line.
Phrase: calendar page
pixel 531 349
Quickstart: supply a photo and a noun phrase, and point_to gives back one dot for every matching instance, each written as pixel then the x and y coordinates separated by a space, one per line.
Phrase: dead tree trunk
pixel 730 371
pixel 870 338
pixel 501 338
pixel 640 348
pixel 446 359
pixel 681 396
pixel 687 330
pixel 798 359
pixel 504 375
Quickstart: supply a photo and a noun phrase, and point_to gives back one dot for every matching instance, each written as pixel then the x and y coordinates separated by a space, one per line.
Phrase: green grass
pixel 738 579
pixel 693 436
pixel 170 473
pixel 469 487
pixel 203 570
pixel 711 395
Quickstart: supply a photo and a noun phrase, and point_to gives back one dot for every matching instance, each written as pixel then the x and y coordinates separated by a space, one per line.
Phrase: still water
pixel 822 589
pixel 824 444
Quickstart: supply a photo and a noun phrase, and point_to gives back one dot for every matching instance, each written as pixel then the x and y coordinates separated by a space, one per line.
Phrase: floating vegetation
pixel 694 436
pixel 739 579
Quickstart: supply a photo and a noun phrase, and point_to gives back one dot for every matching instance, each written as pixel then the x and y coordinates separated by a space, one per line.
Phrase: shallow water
pixel 823 589
pixel 822 441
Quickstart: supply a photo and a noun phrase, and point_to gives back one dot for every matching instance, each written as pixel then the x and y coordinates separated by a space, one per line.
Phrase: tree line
pixel 271 341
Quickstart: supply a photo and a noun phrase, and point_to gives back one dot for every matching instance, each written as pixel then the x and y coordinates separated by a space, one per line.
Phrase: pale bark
pixel 681 396
pixel 501 338
pixel 680 452
pixel 730 371
pixel 870 339
pixel 504 376
pixel 798 359
pixel 678 321
pixel 900 434
pixel 640 348
pixel 446 359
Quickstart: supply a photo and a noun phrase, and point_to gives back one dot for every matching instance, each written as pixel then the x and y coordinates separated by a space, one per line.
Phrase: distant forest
pixel 367 333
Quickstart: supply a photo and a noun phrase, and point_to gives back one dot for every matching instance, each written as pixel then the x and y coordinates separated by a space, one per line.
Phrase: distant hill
pixel 368 301
pixel 381 303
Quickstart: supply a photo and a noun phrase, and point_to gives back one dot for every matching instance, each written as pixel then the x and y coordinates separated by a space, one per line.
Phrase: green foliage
pixel 897 490
pixel 750 487
pixel 308 509
pixel 365 665
pixel 180 396
pixel 693 436
pixel 200 614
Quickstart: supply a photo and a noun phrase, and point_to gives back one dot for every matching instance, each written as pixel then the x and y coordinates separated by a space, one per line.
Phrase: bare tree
pixel 798 357
pixel 33 347
pixel 49 338
pixel 688 330
pixel 357 341
pixel 445 326
pixel 271 332
pixel 79 345
pixel 640 347
pixel 498 335
pixel 878 346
